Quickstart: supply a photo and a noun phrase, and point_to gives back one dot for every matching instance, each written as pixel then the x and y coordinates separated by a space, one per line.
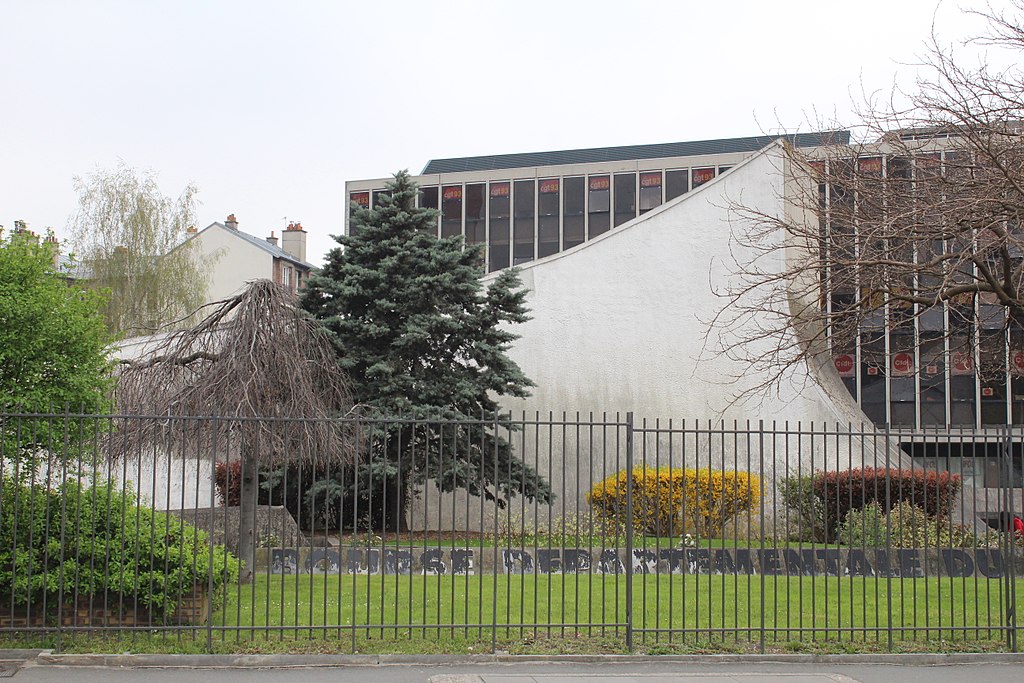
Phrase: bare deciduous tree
pixel 915 230
pixel 269 376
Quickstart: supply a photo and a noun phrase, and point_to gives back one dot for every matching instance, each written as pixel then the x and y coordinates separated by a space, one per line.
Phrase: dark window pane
pixel 599 204
pixel 992 372
pixel 625 197
pixel 476 213
pixel 547 222
pixel 498 254
pixel 650 190
pixel 933 380
pixel 573 219
pixel 451 210
pixel 377 194
pixel 428 197
pixel 676 183
pixel 524 219
pixel 902 413
pixel 428 200
pixel 872 379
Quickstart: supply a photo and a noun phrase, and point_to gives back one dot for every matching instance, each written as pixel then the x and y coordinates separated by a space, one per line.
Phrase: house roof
pixel 276 252
pixel 630 152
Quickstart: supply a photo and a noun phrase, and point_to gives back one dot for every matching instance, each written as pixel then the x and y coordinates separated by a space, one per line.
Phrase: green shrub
pixel 93 541
pixel 906 526
pixel 798 495
pixel 668 501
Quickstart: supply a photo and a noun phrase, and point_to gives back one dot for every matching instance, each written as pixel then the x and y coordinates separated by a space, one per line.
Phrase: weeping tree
pixel 265 371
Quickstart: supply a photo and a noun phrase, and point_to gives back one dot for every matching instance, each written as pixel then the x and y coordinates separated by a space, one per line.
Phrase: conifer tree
pixel 419 336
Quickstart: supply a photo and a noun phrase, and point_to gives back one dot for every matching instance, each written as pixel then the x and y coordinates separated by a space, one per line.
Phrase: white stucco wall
pixel 236 262
pixel 621 324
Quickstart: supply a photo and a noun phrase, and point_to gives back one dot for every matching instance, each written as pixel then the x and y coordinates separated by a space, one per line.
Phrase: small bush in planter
pixel 56 543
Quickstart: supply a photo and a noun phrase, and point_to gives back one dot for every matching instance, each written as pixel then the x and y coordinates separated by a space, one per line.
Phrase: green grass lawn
pixel 577 614
pixel 785 608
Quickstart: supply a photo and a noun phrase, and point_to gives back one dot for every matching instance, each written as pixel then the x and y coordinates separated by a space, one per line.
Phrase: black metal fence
pixel 506 528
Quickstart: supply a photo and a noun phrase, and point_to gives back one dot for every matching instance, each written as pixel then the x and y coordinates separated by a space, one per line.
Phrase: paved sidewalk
pixel 653 670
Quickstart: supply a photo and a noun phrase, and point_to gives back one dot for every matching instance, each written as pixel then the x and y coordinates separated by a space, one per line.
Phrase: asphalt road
pixel 654 671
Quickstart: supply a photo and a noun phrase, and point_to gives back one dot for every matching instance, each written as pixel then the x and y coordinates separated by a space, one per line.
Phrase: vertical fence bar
pixel 629 531
pixel 1006 494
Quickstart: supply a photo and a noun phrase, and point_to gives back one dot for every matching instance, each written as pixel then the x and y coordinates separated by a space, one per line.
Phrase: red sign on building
pixel 844 365
pixel 702 175
pixel 1018 362
pixel 650 179
pixel 903 364
pixel 361 198
pixel 962 363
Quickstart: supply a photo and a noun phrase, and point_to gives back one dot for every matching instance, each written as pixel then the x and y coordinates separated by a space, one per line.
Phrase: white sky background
pixel 269 107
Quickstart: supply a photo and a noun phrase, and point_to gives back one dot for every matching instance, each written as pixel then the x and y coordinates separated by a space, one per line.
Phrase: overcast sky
pixel 269 107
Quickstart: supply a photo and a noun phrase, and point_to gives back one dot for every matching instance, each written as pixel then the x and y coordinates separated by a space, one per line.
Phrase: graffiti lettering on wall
pixel 899 562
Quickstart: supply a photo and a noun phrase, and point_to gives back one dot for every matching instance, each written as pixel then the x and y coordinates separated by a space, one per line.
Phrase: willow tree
pixel 130 238
pixel 266 376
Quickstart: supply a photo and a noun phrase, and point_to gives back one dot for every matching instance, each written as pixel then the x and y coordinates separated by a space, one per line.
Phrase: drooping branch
pixel 257 364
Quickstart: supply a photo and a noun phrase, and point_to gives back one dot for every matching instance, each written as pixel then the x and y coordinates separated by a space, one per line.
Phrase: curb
pixel 130 661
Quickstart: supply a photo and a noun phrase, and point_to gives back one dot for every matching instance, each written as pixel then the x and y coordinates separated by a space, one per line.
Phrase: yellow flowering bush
pixel 668 501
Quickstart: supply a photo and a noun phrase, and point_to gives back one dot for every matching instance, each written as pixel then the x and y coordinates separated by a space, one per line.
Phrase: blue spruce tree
pixel 421 338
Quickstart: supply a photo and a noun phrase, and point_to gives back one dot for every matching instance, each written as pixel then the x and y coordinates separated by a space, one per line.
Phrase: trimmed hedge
pixel 95 541
pixel 667 502
pixel 847 490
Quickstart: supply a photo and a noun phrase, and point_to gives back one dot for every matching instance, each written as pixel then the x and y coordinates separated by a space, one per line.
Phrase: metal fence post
pixel 629 531
pixel 1006 477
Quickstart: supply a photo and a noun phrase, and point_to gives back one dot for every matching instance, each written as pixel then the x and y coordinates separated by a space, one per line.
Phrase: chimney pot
pixel 272 239
pixel 231 222
pixel 293 241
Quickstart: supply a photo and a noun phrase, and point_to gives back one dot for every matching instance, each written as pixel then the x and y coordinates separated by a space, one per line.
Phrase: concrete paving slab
pixel 703 677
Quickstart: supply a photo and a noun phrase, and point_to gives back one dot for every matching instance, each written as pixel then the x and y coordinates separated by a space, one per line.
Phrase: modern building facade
pixel 527 208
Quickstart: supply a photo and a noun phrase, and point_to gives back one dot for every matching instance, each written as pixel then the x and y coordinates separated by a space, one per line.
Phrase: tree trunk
pixel 247 516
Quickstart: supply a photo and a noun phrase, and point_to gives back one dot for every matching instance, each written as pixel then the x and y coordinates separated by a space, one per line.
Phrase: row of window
pixel 522 220
pixel 950 364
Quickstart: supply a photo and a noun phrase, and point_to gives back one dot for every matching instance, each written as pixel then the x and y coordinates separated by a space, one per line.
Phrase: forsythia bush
pixel 668 501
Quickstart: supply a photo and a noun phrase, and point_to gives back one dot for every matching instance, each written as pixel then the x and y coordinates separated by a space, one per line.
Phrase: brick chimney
pixel 272 239
pixel 293 241
pixel 231 223
pixel 54 244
